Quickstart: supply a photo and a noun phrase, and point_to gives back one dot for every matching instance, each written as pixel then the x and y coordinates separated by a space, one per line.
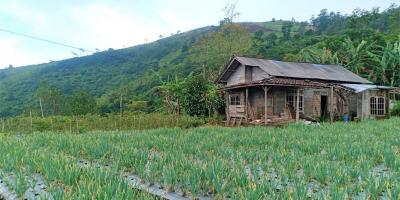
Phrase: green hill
pixel 100 73
pixel 137 71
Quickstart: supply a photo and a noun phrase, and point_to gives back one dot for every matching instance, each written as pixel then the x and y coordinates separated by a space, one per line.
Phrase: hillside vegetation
pixel 142 78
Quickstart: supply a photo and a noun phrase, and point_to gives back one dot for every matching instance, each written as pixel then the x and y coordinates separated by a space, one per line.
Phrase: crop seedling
pixel 331 161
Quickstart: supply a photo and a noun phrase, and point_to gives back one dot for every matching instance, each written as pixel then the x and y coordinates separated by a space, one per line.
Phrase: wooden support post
pixel 30 116
pixel 298 105
pixel 120 105
pixel 386 104
pixel 246 108
pixel 363 106
pixel 266 104
pixel 227 107
pixel 41 106
pixel 331 105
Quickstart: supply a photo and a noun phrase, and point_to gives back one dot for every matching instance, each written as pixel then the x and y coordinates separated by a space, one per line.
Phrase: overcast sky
pixel 116 24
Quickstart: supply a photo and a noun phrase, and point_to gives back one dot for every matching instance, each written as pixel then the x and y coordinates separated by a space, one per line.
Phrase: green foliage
pixel 380 64
pixel 211 52
pixel 51 100
pixel 330 161
pixel 194 95
pixel 366 42
pixel 396 109
pixel 313 55
pixel 80 103
pixel 286 30
pixel 92 122
pixel 99 74
pixel 137 106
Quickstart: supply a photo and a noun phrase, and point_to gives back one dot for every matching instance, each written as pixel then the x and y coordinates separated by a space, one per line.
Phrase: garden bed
pixel 336 161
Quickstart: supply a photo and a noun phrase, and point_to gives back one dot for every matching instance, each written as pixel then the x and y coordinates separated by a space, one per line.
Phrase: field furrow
pixel 331 161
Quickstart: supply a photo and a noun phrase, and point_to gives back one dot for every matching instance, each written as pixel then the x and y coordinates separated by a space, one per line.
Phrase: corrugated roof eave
pixel 299 70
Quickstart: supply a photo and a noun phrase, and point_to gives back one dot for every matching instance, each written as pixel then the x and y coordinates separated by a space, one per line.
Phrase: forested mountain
pixel 366 42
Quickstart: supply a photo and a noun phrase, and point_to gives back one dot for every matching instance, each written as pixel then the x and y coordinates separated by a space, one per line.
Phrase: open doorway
pixel 324 106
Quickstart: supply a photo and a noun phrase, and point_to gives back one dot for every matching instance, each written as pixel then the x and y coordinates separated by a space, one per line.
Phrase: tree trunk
pixel 30 115
pixel 41 107
pixel 120 105
pixel 298 105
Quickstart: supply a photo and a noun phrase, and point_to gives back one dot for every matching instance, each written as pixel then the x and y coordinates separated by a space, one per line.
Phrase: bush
pixel 396 109
pixel 194 95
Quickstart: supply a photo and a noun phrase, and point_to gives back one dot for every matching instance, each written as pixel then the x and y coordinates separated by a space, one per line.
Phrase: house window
pixel 291 98
pixel 235 99
pixel 377 105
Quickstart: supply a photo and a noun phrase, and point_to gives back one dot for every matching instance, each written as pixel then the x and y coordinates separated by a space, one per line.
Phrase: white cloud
pixel 108 27
pixel 28 16
pixel 88 24
pixel 173 21
pixel 11 55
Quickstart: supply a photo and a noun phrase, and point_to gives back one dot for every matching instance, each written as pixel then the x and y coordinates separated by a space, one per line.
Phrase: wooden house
pixel 267 91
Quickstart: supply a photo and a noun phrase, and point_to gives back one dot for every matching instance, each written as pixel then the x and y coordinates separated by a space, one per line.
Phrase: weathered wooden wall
pixel 312 101
pixel 357 105
pixel 279 99
pixel 246 74
pixel 259 74
pixel 257 103
pixel 236 110
pixel 237 76
pixel 353 105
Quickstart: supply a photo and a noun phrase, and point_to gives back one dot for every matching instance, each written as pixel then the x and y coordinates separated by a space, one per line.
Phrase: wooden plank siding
pixel 236 110
pixel 276 102
pixel 237 77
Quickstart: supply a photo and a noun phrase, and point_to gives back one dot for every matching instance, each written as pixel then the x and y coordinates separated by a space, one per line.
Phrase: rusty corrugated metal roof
pixel 275 81
pixel 294 82
pixel 303 70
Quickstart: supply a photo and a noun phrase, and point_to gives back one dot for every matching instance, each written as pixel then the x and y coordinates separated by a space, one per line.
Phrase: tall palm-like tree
pixel 387 63
pixel 322 56
pixel 396 55
pixel 356 56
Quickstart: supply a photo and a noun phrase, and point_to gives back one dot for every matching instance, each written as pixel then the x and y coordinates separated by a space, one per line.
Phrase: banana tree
pixel 387 63
pixel 356 56
pixel 396 55
pixel 322 56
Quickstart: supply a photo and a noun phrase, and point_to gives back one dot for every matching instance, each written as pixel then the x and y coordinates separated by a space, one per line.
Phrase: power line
pixel 46 40
pixel 62 44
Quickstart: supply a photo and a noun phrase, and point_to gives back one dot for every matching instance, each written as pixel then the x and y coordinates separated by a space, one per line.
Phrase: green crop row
pixel 331 161
pixel 21 158
pixel 112 122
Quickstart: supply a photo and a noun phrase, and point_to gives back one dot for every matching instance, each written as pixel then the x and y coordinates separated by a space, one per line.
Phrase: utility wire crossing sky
pixel 33 32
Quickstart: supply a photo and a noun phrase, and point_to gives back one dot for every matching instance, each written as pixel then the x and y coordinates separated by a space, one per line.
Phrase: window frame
pixel 291 99
pixel 236 101
pixel 377 106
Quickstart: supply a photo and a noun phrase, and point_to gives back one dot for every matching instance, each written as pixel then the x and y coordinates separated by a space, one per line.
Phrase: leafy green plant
pixel 299 161
pixel 396 109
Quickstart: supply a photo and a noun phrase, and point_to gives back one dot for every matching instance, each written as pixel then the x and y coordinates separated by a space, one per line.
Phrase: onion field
pixel 330 161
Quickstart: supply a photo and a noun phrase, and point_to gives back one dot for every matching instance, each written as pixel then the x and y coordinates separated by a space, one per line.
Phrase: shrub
pixel 396 109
